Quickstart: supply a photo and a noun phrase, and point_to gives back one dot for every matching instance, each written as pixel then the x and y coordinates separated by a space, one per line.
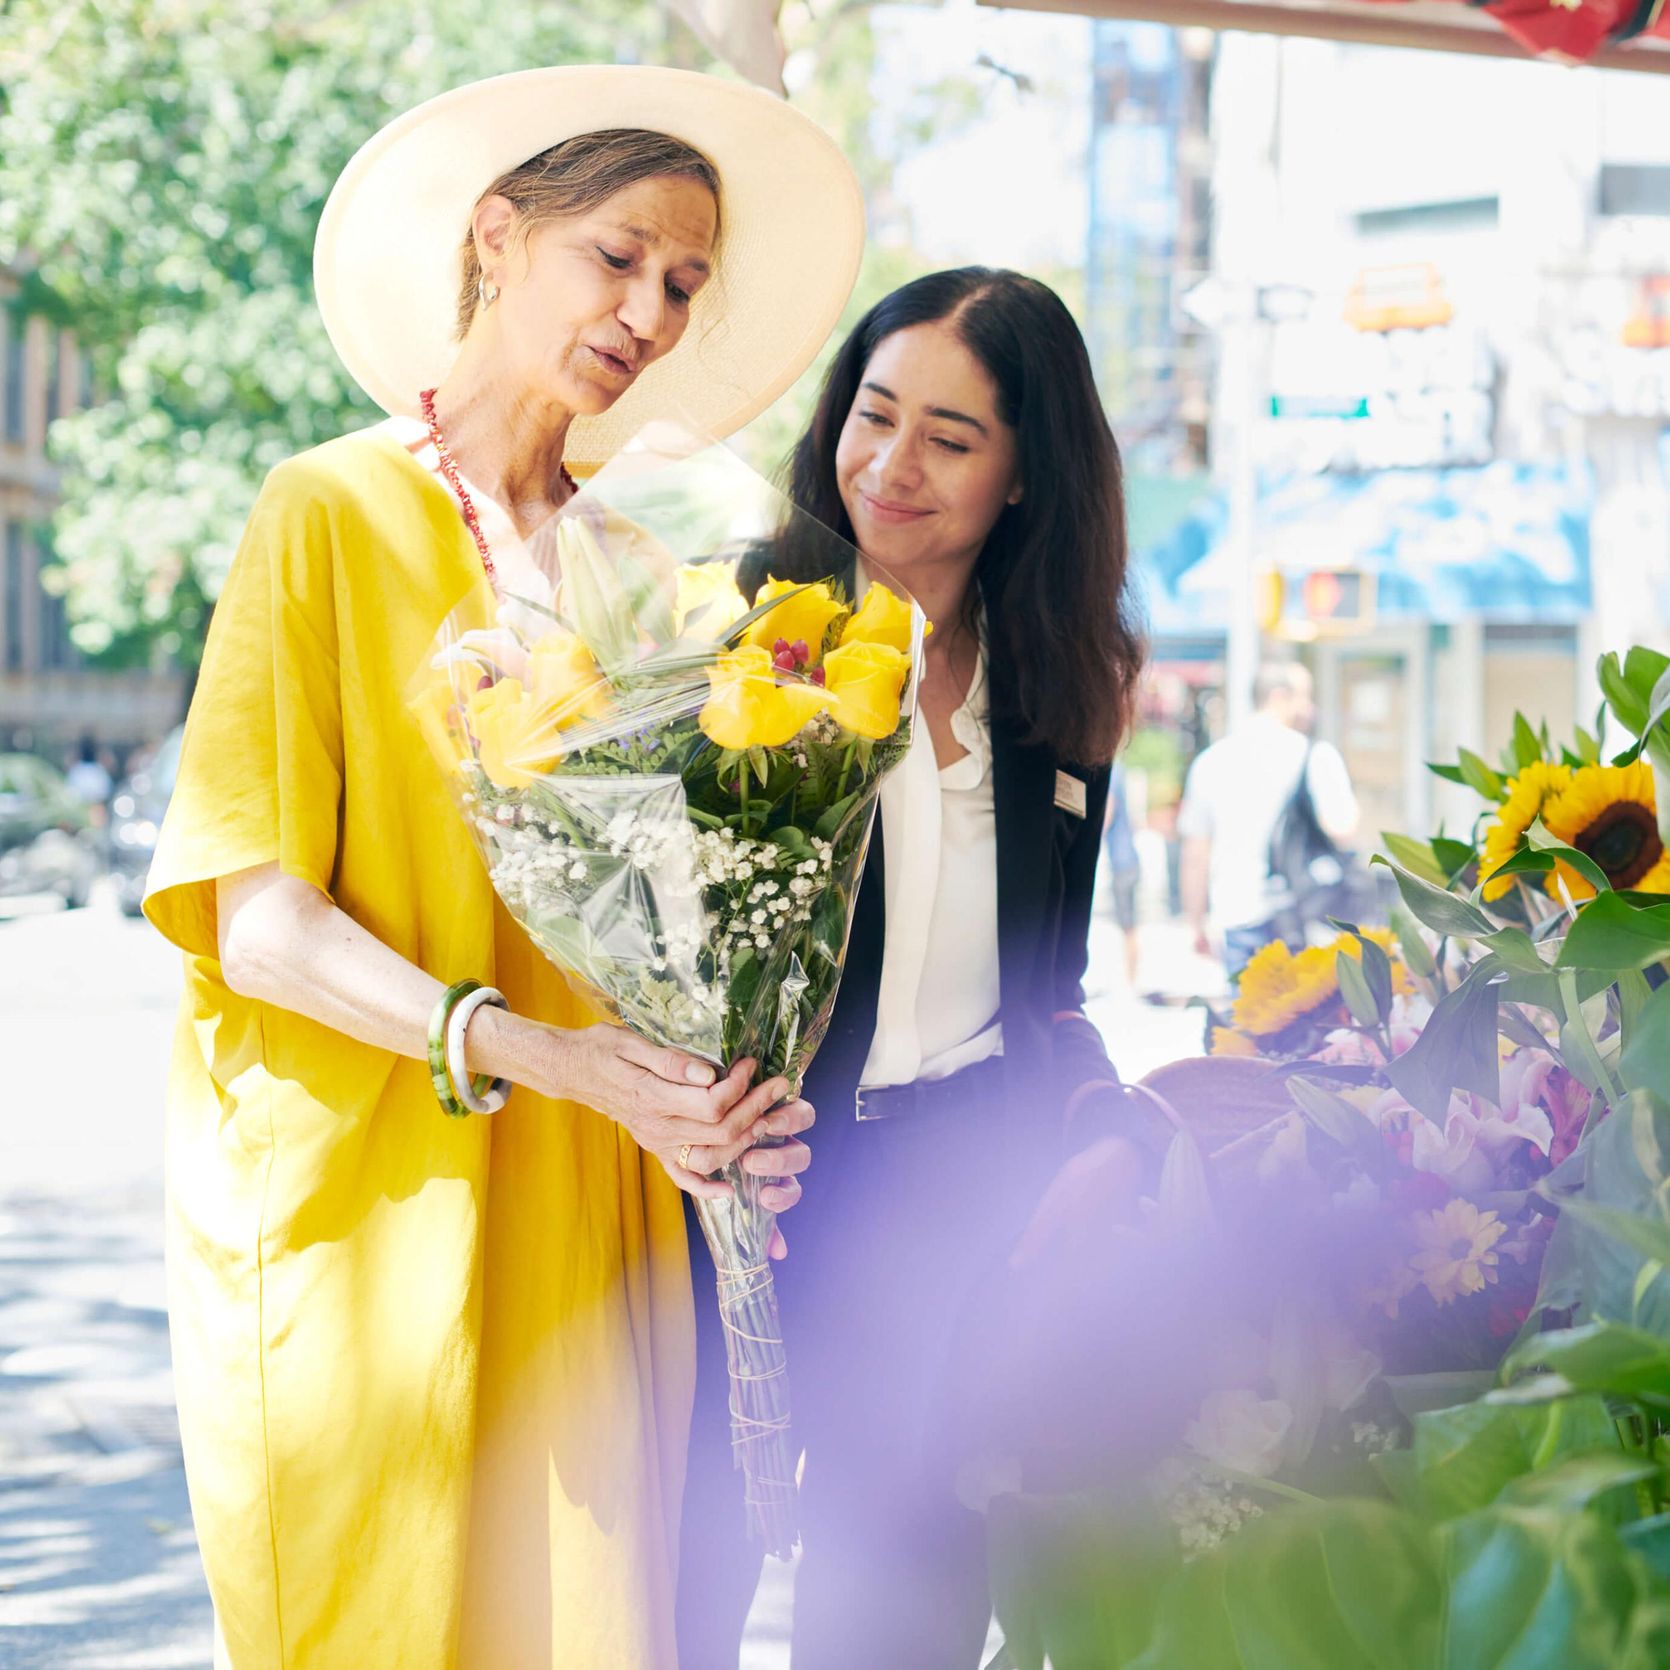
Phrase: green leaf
pixel 1575 1483
pixel 1650 1237
pixel 835 815
pixel 1478 776
pixel 1354 988
pixel 1332 1115
pixel 1650 1539
pixel 1077 1576
pixel 1611 935
pixel 1625 1162
pixel 1537 836
pixel 1517 950
pixel 1443 912
pixel 1416 856
pixel 1604 1357
pixel 1375 968
pixel 1417 1394
pixel 1527 746
pixel 1466 1456
pixel 1535 1589
pixel 1658 708
pixel 1588 747
pixel 1378 968
pixel 1450 773
pixel 1517 1025
pixel 1456 1049
pixel 1578 1047
pixel 1644 1063
pixel 1526 861
pixel 1453 856
pixel 1629 687
pixel 1400 1476
pixel 1536 855
pixel 1417 954
pixel 1345 1583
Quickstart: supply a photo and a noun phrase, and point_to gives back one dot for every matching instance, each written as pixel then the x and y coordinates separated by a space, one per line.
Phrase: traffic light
pixel 1336 600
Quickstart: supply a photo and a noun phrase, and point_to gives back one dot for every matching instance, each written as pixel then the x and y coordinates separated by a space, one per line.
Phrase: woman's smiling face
pixel 594 298
pixel 925 465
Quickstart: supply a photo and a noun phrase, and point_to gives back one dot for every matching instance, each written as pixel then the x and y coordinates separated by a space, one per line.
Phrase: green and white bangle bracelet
pixel 458 1093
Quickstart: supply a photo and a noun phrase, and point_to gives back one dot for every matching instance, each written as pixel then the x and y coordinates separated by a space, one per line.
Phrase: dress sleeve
pixel 260 775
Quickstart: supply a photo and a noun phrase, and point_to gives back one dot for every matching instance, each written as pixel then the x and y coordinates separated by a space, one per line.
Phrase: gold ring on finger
pixel 684 1156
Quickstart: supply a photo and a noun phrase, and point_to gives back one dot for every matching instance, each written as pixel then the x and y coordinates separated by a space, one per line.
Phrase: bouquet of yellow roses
pixel 673 790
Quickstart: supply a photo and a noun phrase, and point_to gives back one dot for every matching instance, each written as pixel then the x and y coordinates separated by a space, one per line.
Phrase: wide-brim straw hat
pixel 386 265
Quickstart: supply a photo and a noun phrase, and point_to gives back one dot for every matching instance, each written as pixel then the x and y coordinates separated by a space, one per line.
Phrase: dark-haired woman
pixel 967 1103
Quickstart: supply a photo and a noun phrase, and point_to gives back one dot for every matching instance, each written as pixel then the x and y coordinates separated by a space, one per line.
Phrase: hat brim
pixel 386 257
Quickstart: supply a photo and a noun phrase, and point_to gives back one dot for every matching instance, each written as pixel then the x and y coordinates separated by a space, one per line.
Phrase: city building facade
pixel 50 698
pixel 1444 366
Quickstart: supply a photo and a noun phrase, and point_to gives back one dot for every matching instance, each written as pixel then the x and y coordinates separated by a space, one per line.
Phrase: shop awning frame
pixel 1442 27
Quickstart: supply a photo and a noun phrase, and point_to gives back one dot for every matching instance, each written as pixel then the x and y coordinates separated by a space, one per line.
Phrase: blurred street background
pixel 1384 335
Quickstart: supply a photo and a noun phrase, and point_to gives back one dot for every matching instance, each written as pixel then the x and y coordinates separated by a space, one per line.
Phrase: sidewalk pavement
pixel 98 1563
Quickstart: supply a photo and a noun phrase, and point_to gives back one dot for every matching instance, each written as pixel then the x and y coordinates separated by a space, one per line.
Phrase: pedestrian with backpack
pixel 1267 813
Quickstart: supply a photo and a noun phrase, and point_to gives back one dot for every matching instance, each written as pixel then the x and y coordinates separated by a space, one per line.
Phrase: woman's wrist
pixel 526 1052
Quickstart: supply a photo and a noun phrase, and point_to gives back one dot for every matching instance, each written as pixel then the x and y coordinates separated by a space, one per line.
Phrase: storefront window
pixel 11 339
pixel 1531 670
pixel 13 596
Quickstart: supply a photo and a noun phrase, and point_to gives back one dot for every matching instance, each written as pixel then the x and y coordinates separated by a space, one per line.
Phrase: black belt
pixel 980 1084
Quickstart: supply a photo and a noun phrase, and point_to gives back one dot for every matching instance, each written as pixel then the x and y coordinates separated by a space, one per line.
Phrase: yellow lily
pixel 748 708
pixel 564 679
pixel 515 741
pixel 707 591
pixel 803 618
pixel 883 618
pixel 864 681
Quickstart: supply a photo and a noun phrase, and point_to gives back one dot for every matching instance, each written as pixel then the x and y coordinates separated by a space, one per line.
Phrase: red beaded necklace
pixel 472 521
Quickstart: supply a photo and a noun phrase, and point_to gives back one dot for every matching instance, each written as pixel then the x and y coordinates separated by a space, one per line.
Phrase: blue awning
pixel 1506 542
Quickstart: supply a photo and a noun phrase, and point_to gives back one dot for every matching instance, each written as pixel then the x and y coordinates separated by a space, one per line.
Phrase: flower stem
pixel 1251 1481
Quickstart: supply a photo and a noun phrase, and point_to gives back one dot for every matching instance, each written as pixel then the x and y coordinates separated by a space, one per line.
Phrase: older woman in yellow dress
pixel 434 1373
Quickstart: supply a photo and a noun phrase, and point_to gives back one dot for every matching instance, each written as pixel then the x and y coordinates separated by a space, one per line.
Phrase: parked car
pixel 136 812
pixel 47 844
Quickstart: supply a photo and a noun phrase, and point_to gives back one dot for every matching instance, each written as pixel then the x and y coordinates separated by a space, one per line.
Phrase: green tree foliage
pixel 164 162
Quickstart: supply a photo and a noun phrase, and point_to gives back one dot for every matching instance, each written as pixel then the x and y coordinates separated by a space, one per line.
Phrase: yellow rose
pixel 748 708
pixel 564 680
pixel 864 681
pixel 803 618
pixel 707 590
pixel 515 742
pixel 882 618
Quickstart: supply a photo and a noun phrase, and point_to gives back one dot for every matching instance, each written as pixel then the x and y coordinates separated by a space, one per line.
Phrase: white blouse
pixel 938 1006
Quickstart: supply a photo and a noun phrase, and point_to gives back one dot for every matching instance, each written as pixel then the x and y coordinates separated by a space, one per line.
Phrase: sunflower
pixel 1280 987
pixel 1528 793
pixel 1455 1253
pixel 1610 813
pixel 1273 995
pixel 1227 1041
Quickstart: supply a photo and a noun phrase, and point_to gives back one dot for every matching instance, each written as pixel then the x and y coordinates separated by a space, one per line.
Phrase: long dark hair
pixel 1052 573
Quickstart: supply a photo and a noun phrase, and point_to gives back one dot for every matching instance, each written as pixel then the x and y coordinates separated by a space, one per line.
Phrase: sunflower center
pixel 1623 840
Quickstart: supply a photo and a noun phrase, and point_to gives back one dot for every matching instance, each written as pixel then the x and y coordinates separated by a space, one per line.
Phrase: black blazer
pixel 1046 870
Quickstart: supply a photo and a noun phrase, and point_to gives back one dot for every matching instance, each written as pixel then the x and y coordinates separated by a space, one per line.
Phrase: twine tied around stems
pixel 758 1401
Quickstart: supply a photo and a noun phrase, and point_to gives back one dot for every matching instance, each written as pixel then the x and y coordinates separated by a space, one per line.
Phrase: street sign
pixel 1317 406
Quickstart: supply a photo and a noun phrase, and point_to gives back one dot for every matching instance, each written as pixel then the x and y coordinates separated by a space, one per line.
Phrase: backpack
pixel 1309 873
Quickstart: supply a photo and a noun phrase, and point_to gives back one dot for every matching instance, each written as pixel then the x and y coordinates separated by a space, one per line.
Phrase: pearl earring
pixel 486 293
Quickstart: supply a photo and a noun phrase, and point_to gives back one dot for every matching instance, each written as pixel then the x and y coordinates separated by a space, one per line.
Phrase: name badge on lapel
pixel 1070 793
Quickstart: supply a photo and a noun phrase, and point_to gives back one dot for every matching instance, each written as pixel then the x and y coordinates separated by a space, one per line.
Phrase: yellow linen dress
pixel 434 1375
